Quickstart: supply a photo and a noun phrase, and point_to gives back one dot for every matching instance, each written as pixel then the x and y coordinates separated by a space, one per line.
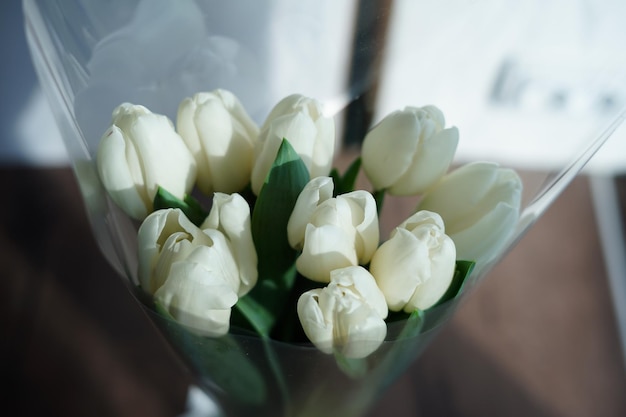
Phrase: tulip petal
pixel 236 109
pixel 365 221
pixel 338 317
pixel 220 135
pixel 323 148
pixel 486 238
pixel 149 245
pixel 388 148
pixel 409 150
pixel 399 265
pixel 423 217
pixel 165 159
pixel 314 193
pixel 287 105
pixel 430 163
pixel 365 331
pixel 325 248
pixel 442 271
pixel 176 247
pixel 435 115
pixel 336 212
pixel 300 131
pixel 155 236
pixel 186 128
pixel 117 177
pixel 228 149
pixel 363 283
pixel 480 205
pixel 317 329
pixel 198 298
pixel 265 151
pixel 154 156
pixel 217 256
pixel 300 120
pixel 230 215
pixel 467 184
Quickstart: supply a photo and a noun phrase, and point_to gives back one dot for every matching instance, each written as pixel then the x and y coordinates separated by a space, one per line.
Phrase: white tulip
pixel 198 298
pixel 314 193
pixel 339 232
pixel 409 150
pixel 415 267
pixel 346 316
pixel 480 205
pixel 230 214
pixel 139 152
pixel 191 272
pixel 221 137
pixel 300 120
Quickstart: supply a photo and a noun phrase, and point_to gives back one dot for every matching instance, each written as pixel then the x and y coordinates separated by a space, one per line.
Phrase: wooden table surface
pixel 538 337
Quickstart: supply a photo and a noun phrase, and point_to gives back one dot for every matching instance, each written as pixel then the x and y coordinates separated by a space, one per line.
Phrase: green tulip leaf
pixel 259 316
pixel 336 176
pixel 350 176
pixel 288 327
pixel 220 360
pixel 395 320
pixel 462 272
pixel 270 215
pixel 413 325
pixel 190 206
pixel 345 184
pixel 379 197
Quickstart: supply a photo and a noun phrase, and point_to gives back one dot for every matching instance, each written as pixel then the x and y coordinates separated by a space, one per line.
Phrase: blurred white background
pixel 28 133
pixel 515 90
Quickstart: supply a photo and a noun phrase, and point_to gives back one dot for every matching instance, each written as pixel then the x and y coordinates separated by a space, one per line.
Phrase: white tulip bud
pixel 339 232
pixel 409 150
pixel 191 272
pixel 139 152
pixel 314 193
pixel 415 267
pixel 221 137
pixel 198 297
pixel 300 120
pixel 480 205
pixel 230 214
pixel 347 315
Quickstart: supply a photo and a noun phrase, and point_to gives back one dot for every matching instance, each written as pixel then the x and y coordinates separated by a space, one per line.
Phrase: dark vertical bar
pixel 367 55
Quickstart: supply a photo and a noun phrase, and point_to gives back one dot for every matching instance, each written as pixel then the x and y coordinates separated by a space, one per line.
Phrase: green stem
pixel 256 315
pixel 379 197
pixel 276 368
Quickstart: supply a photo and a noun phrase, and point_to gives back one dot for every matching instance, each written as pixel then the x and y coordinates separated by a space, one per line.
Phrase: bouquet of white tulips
pixel 251 229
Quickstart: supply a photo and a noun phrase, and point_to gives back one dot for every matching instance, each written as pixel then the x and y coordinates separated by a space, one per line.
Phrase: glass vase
pixel 510 76
pixel 246 374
